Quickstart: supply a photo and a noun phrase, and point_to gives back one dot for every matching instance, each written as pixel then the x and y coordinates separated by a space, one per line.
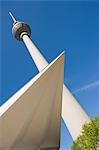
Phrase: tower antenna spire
pixel 13 18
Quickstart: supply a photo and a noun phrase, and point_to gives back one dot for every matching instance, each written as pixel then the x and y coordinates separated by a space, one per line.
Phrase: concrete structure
pixel 31 118
pixel 73 114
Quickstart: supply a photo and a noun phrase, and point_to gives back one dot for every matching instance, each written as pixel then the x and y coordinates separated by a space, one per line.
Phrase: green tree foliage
pixel 89 138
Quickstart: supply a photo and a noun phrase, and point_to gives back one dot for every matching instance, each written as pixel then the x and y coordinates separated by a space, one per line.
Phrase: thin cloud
pixel 88 86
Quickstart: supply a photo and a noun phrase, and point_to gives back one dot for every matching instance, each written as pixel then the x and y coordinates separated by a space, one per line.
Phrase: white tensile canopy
pixel 31 118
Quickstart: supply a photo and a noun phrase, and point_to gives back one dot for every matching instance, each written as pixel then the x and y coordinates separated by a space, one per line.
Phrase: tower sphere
pixel 19 29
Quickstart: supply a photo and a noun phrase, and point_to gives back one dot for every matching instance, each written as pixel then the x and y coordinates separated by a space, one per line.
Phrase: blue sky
pixel 70 26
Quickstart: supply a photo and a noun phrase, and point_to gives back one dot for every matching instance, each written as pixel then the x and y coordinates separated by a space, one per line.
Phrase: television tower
pixel 73 114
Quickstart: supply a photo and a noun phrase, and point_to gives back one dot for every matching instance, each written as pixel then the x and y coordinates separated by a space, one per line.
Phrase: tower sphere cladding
pixel 19 29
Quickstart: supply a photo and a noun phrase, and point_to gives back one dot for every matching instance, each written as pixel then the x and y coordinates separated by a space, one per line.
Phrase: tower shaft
pixel 73 114
pixel 39 60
